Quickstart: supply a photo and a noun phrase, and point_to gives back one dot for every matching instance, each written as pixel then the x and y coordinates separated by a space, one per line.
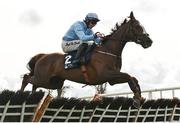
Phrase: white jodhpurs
pixel 68 46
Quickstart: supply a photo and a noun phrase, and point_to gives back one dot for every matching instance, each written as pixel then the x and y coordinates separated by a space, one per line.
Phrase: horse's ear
pixel 132 15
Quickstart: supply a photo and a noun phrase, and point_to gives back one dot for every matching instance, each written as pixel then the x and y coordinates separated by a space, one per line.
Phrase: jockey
pixel 80 36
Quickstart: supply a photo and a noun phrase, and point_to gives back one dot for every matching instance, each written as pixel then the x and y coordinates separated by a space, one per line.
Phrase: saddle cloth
pixel 69 57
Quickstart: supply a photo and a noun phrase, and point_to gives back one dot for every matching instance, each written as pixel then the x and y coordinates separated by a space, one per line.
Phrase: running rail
pixel 147 93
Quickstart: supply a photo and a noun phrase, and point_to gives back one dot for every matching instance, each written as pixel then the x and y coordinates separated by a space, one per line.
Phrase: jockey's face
pixel 91 24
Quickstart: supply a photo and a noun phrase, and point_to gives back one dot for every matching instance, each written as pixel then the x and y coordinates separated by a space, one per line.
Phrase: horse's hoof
pixel 136 103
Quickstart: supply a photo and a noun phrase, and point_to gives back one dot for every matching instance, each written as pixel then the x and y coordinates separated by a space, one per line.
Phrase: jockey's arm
pixel 82 36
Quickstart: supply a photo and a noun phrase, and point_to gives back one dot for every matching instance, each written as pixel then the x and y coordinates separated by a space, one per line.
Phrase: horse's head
pixel 136 32
pixel 129 31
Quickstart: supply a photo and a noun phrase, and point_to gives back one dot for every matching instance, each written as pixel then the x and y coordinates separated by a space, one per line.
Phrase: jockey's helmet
pixel 92 16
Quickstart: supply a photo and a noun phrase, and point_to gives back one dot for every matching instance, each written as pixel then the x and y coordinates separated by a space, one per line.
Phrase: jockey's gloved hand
pixel 98 34
pixel 98 41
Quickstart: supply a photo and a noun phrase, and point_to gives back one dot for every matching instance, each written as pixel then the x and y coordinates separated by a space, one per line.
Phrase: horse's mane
pixel 115 28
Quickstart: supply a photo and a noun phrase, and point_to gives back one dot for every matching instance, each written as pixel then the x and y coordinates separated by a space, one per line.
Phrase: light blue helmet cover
pixel 92 16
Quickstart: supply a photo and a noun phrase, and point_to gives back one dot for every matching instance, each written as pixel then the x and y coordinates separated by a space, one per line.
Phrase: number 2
pixel 67 59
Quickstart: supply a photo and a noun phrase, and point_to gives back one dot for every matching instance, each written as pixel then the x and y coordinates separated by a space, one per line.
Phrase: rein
pixel 107 53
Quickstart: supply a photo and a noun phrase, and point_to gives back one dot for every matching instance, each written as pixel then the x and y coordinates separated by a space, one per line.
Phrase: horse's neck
pixel 116 44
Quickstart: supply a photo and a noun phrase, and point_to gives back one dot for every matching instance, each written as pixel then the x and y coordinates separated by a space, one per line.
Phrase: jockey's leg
pixel 79 53
pixel 90 48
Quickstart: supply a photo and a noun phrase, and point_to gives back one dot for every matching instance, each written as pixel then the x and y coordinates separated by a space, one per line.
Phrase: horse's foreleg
pixel 119 77
pixel 123 78
pixel 134 85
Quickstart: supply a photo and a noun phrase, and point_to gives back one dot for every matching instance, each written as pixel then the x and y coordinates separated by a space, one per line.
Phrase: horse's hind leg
pixel 25 81
pixel 59 93
pixel 34 87
pixel 57 83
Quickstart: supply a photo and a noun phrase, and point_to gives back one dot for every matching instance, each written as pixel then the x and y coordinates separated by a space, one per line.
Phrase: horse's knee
pixel 137 84
pixel 135 79
pixel 133 83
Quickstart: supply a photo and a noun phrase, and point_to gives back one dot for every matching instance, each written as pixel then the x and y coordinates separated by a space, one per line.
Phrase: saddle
pixel 85 59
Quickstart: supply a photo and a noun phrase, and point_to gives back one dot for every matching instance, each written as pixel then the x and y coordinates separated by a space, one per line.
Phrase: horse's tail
pixel 31 64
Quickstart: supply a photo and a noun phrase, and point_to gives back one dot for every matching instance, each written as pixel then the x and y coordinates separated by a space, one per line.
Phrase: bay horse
pixel 47 70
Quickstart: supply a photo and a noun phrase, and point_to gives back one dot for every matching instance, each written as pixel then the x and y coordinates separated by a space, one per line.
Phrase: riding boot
pixel 79 53
pixel 90 48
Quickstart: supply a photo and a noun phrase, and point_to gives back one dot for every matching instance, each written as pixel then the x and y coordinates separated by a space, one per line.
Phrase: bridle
pixel 116 39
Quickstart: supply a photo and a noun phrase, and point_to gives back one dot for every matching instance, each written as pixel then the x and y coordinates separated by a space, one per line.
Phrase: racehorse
pixel 47 70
